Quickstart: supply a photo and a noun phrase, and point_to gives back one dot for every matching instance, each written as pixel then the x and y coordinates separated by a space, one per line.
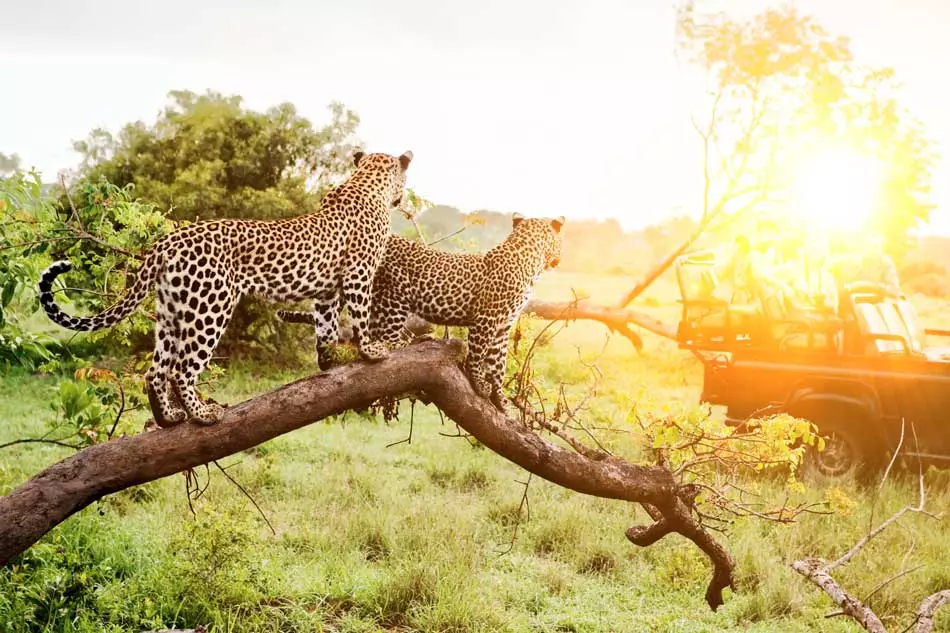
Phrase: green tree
pixel 777 84
pixel 101 229
pixel 208 156
pixel 9 165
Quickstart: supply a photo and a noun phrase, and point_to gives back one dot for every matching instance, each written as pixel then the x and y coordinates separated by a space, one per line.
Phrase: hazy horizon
pixel 578 108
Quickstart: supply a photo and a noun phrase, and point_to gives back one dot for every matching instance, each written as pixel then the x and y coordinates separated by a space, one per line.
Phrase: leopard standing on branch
pixel 201 271
pixel 483 292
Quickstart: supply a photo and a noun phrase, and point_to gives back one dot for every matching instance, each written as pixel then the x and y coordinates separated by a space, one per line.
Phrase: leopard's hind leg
pixel 358 295
pixel 326 327
pixel 387 321
pixel 487 358
pixel 162 397
pixel 201 321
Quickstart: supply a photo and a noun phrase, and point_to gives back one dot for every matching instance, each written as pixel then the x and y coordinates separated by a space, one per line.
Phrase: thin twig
pixel 35 242
pixel 919 508
pixel 82 233
pixel 39 440
pixel 523 506
pixel 248 495
pixel 445 237
pixel 412 415
pixel 190 477
pixel 890 580
pixel 415 224
pixel 118 415
pixel 69 198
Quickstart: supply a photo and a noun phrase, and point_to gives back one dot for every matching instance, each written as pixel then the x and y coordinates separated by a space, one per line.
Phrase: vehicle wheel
pixel 847 455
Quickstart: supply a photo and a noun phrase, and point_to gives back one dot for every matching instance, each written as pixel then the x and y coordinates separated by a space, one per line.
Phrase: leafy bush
pixel 103 225
pixel 23 217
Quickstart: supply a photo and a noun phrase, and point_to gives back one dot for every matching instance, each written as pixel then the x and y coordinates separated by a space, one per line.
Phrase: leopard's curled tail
pixel 135 295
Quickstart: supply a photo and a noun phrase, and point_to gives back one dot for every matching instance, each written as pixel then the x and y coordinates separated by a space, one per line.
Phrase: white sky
pixel 573 107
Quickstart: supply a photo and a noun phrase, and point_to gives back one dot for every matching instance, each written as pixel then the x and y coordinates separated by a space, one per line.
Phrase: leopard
pixel 200 272
pixel 483 292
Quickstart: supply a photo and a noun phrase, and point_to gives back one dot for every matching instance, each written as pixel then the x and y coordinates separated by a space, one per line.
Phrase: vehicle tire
pixel 849 452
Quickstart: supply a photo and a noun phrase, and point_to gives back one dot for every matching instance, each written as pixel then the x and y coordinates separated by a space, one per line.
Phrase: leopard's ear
pixel 404 160
pixel 516 219
pixel 557 223
pixel 357 157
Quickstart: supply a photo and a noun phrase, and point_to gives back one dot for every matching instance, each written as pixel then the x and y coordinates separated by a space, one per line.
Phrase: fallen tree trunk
pixel 428 367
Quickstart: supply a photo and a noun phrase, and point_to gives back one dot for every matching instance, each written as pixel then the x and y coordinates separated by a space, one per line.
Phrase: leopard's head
pixel 386 171
pixel 544 231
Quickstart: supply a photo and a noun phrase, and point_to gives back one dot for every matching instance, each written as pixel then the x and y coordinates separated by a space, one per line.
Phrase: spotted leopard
pixel 202 270
pixel 483 292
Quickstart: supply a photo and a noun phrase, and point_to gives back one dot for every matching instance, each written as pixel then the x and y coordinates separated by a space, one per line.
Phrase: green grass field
pixel 419 537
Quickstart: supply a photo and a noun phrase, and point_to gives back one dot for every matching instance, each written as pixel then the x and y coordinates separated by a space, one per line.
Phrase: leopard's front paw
pixel 324 357
pixel 481 387
pixel 172 417
pixel 209 414
pixel 374 351
pixel 502 403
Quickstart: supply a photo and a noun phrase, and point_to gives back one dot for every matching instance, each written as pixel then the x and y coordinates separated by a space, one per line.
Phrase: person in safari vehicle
pixel 815 288
pixel 868 264
pixel 753 268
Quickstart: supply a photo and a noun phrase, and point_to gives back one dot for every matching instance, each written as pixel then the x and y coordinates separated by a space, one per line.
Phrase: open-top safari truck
pixel 861 373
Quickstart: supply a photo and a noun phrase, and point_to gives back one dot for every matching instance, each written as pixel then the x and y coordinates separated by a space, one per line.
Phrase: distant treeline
pixel 594 246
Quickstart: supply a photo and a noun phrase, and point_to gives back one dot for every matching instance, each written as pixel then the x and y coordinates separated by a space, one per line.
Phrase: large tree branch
pixel 428 367
pixel 616 319
pixel 664 264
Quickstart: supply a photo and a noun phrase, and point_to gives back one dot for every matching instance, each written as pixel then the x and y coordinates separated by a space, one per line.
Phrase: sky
pixel 576 107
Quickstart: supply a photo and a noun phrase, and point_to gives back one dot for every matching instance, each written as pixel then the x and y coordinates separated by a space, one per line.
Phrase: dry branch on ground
pixel 818 572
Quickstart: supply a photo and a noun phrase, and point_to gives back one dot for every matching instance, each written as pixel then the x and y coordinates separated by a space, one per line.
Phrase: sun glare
pixel 836 189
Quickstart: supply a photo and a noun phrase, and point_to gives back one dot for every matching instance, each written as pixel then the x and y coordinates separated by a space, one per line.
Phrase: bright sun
pixel 836 189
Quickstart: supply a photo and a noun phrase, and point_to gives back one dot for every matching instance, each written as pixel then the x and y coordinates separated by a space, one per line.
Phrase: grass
pixel 419 537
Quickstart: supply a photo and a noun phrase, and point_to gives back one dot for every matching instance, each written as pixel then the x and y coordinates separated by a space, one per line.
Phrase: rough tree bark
pixel 429 368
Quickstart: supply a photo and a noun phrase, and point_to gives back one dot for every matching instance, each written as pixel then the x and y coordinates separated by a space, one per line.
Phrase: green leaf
pixel 8 291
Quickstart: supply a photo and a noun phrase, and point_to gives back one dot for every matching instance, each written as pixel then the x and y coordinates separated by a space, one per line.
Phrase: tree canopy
pixel 780 87
pixel 9 164
pixel 208 156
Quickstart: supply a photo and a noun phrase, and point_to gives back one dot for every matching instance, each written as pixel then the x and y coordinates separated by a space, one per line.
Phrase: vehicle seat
pixel 793 327
pixel 917 336
pixel 880 317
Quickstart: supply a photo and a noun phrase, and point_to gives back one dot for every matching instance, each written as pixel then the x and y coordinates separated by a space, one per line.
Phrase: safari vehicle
pixel 859 372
